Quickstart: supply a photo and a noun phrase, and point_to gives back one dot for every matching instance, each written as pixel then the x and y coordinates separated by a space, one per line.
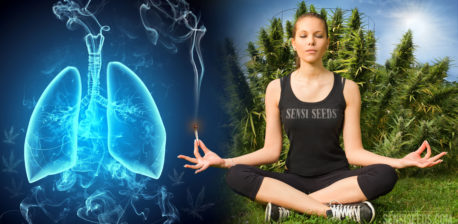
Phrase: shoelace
pixel 283 212
pixel 341 211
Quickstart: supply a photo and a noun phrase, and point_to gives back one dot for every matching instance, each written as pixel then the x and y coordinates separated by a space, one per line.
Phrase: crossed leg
pixel 344 191
pixel 277 188
pixel 277 192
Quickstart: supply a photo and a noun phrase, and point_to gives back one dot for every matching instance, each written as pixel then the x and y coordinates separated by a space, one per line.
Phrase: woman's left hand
pixel 415 159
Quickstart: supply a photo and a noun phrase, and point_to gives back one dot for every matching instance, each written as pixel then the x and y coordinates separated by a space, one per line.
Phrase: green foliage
pixel 403 102
pixel 324 14
pixel 312 8
pixel 301 9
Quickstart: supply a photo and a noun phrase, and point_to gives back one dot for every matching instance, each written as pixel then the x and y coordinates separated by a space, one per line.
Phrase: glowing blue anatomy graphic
pixel 136 135
pixel 51 139
pixel 66 131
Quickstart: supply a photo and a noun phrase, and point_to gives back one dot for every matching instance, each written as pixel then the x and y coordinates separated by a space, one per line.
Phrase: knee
pixel 378 180
pixel 244 180
pixel 387 175
pixel 235 175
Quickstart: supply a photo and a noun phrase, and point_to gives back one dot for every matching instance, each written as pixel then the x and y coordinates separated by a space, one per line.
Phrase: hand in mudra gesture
pixel 415 159
pixel 202 163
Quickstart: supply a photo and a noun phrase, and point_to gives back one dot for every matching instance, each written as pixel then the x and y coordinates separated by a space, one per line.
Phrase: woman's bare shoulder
pixel 273 91
pixel 351 91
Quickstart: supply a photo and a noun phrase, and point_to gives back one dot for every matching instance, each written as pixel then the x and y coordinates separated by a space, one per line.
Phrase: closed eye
pixel 318 36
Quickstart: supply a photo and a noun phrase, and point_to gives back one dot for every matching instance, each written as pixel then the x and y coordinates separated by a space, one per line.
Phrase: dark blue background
pixel 35 46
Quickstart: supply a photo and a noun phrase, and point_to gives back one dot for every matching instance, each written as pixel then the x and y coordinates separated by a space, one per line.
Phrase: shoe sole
pixel 268 211
pixel 373 210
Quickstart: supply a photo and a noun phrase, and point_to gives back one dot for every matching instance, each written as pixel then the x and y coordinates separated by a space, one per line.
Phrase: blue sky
pixel 433 23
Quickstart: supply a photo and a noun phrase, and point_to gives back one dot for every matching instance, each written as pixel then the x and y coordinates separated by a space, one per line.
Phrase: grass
pixel 431 199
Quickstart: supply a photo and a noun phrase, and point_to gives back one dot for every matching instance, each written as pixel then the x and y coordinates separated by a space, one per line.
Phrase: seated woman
pixel 314 105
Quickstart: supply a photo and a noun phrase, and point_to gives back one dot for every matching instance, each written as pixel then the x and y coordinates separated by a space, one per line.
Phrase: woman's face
pixel 310 35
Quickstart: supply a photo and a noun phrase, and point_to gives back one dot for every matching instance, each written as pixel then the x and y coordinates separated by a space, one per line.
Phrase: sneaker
pixel 362 212
pixel 275 213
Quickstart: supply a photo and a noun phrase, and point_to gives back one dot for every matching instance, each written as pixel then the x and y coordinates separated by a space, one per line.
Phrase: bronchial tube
pixel 94 46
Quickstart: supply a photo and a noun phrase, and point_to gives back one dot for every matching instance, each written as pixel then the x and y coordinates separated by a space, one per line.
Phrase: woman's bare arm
pixel 354 150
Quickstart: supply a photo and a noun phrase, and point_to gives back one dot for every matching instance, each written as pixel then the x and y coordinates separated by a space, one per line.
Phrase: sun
pixel 420 24
pixel 421 19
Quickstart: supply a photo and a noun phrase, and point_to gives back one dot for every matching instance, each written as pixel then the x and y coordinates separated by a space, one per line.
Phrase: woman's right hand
pixel 202 163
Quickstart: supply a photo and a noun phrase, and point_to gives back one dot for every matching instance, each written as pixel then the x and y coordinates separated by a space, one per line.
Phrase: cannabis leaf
pixel 196 207
pixel 10 136
pixel 15 188
pixel 176 178
pixel 10 164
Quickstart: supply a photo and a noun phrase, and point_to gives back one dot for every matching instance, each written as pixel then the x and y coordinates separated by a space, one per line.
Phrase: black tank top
pixel 313 129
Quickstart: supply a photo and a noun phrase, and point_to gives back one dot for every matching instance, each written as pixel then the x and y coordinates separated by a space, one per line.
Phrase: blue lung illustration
pixel 55 137
pixel 51 138
pixel 136 134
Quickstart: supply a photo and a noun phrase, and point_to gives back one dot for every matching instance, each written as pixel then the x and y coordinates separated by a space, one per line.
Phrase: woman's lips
pixel 311 51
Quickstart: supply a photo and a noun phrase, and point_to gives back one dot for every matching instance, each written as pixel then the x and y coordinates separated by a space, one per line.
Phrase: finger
pixel 421 149
pixel 196 151
pixel 428 152
pixel 201 169
pixel 435 163
pixel 436 157
pixel 189 159
pixel 197 166
pixel 202 145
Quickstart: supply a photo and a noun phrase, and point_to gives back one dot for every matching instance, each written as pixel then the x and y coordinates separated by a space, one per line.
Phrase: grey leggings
pixel 374 180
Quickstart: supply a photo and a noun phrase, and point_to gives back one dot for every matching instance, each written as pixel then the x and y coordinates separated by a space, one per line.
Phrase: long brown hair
pixel 308 14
